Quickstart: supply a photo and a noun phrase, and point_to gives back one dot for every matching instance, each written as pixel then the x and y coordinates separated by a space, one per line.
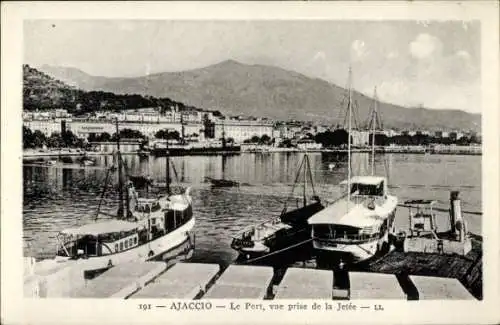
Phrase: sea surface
pixel 67 195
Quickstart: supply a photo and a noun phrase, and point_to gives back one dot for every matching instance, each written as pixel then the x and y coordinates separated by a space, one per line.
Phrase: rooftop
pixel 368 180
pixel 103 227
pixel 347 213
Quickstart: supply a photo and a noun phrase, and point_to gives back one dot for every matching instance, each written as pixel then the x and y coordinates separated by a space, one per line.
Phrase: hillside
pixel 44 92
pixel 240 89
pixel 41 91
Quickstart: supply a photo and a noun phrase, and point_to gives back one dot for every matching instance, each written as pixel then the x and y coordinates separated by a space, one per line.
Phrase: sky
pixel 412 63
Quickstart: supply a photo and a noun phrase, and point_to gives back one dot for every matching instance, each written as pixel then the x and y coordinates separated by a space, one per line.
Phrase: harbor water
pixel 67 195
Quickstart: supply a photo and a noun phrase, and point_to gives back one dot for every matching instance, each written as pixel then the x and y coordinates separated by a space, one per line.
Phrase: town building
pixel 84 127
pixel 46 126
pixel 241 130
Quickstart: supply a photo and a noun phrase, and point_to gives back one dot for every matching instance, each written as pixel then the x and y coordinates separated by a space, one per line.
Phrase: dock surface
pixel 432 288
pixel 365 285
pixel 242 281
pixel 305 284
pixel 183 281
pixel 120 281
pixel 207 281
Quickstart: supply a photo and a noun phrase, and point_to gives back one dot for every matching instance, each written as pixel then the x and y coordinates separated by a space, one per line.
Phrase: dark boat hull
pixel 285 241
pixel 223 183
pixel 161 152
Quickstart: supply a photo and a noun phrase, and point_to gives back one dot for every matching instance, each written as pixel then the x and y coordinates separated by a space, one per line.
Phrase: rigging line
pixel 293 185
pixel 357 125
pixel 311 176
pixel 108 214
pixel 127 196
pixel 175 172
pixel 441 209
pixel 297 176
pixel 102 195
pixel 361 247
pixel 278 251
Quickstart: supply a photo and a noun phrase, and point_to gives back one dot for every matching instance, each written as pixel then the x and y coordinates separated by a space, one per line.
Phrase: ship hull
pixel 162 152
pixel 151 250
pixel 349 252
pixel 294 239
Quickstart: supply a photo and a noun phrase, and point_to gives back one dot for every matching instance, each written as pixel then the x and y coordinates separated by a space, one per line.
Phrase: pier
pixel 242 281
pixel 208 281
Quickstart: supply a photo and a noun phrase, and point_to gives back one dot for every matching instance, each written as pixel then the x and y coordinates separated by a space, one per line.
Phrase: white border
pixel 15 309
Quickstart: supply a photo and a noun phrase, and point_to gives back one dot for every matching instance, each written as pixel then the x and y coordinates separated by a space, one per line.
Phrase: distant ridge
pixel 235 88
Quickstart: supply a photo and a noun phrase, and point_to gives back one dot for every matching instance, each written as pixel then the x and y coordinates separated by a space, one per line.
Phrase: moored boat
pixel 355 227
pixel 143 228
pixel 223 182
pixel 284 232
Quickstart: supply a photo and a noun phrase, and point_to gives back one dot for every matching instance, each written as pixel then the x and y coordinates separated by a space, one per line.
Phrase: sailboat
pixel 355 227
pixel 288 230
pixel 141 230
pixel 223 182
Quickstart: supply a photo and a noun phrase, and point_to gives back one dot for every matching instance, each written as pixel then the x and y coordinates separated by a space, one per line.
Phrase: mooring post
pixel 457 222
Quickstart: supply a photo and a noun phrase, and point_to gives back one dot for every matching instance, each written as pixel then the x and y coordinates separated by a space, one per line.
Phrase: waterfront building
pixel 390 133
pixel 46 126
pixel 102 123
pixel 126 146
pixel 46 115
pixel 84 128
pixel 241 130
pixel 360 138
pixel 308 144
pixel 319 129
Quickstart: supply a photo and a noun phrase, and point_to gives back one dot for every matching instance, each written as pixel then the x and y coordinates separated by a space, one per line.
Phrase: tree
pixel 335 138
pixel 129 134
pixel 55 140
pixel 309 136
pixel 167 135
pixel 69 139
pixel 287 143
pixel 39 139
pixel 255 139
pixel 103 137
pixel 264 139
pixel 27 138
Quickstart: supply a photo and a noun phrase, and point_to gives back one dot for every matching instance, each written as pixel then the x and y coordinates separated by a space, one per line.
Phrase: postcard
pixel 250 162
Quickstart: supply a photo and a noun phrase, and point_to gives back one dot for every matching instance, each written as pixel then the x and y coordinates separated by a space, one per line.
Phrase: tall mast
pixel 349 104
pixel 223 135
pixel 120 176
pixel 168 169
pixel 305 178
pixel 182 127
pixel 374 116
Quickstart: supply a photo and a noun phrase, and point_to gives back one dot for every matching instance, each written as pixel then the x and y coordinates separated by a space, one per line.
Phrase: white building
pixel 241 130
pixel 360 138
pixel 308 145
pixel 47 127
pixel 83 128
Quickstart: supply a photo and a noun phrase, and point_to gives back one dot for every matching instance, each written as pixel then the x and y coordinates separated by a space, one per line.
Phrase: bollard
pixel 453 198
pixel 458 227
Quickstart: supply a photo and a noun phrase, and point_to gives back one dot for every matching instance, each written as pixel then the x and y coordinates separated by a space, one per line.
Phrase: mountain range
pixel 235 88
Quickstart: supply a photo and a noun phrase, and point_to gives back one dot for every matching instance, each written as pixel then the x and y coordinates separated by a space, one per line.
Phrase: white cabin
pixel 365 216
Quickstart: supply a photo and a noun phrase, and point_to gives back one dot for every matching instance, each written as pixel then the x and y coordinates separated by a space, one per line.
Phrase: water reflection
pixel 67 195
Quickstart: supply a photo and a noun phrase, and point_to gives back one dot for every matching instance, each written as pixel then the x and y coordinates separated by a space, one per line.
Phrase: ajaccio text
pixel 198 305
